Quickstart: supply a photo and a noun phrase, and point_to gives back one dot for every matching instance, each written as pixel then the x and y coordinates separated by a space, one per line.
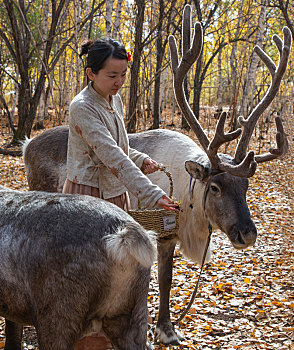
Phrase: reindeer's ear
pixel 199 169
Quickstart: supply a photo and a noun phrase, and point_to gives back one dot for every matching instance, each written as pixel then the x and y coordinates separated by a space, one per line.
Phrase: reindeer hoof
pixel 168 336
pixel 179 335
pixel 149 346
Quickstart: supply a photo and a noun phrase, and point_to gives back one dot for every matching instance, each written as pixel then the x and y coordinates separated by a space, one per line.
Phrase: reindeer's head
pixel 226 177
pixel 224 200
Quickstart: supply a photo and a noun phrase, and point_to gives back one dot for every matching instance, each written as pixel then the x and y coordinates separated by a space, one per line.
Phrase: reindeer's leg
pixel 55 336
pixel 127 329
pixel 165 332
pixel 127 332
pixel 13 332
pixel 61 326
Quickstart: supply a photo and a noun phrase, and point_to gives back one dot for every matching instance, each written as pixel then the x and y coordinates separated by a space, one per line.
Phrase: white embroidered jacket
pixel 98 149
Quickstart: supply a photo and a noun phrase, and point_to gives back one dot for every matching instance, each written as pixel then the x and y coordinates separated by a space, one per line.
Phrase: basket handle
pixel 162 168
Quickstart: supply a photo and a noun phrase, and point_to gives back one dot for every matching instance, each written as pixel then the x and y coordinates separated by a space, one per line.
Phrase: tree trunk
pixel 163 91
pixel 233 65
pixel 108 19
pixel 77 14
pixel 15 98
pixel 6 112
pixel 41 112
pixel 67 89
pixel 159 59
pixel 77 61
pixel 220 83
pixel 131 116
pixel 117 21
pixel 42 104
pixel 220 89
pixel 249 87
pixel 24 116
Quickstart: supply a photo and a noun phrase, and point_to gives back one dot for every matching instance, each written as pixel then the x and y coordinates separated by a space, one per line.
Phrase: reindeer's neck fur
pixel 193 225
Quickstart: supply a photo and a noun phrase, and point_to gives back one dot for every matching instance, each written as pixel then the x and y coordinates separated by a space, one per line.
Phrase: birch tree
pixel 131 114
pixel 117 21
pixel 249 88
pixel 220 71
pixel 108 17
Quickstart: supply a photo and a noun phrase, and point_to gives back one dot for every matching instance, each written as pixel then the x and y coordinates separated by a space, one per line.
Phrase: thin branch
pixel 10 76
pixel 7 42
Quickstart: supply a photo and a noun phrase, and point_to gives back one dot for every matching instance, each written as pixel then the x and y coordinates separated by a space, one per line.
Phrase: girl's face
pixel 109 79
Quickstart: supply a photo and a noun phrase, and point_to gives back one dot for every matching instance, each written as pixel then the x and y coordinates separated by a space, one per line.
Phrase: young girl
pixel 100 162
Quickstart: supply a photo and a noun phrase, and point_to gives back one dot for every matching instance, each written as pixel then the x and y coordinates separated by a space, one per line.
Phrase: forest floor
pixel 246 298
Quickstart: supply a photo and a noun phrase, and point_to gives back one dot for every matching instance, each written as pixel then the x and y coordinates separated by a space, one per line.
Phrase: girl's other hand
pixel 166 203
pixel 149 166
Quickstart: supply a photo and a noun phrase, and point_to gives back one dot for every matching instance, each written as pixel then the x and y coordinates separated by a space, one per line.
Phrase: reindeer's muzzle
pixel 243 236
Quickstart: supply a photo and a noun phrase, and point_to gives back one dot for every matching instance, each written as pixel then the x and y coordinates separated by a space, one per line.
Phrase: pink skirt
pixel 122 201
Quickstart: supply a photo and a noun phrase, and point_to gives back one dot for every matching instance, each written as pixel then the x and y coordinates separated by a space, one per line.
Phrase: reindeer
pixel 71 265
pixel 210 186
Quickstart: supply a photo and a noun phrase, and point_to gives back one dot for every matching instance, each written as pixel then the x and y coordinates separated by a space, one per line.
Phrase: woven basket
pixel 164 222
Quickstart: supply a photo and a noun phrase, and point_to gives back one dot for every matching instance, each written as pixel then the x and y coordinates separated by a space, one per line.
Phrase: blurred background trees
pixel 40 70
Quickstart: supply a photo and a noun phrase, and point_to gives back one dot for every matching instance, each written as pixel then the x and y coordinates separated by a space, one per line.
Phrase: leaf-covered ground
pixel 245 298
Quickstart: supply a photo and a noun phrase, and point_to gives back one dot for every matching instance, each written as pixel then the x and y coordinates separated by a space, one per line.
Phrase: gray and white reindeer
pixel 71 265
pixel 219 181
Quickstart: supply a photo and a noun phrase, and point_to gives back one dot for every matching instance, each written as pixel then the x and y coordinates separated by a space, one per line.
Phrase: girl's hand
pixel 149 166
pixel 166 203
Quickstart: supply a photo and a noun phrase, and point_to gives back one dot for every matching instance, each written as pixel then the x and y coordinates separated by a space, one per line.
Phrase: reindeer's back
pixel 45 159
pixel 169 148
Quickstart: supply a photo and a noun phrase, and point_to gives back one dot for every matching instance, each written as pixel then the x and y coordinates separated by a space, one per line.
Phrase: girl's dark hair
pixel 99 50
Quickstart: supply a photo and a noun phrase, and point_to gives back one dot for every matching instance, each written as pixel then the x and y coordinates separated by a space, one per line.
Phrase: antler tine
pixel 277 75
pixel 220 138
pixel 282 145
pixel 190 55
pixel 279 43
pixel 266 59
pixel 186 31
pixel 246 168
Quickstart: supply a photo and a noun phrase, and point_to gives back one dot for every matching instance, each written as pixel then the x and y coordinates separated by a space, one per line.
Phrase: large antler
pixel 277 74
pixel 189 56
pixel 245 164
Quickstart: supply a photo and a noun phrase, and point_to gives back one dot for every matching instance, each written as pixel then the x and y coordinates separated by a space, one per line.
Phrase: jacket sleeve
pixel 92 129
pixel 137 157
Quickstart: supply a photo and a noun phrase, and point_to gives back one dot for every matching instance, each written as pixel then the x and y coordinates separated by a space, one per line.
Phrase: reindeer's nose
pixel 243 236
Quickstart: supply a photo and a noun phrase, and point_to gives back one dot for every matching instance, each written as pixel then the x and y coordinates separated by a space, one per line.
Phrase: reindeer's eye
pixel 214 189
